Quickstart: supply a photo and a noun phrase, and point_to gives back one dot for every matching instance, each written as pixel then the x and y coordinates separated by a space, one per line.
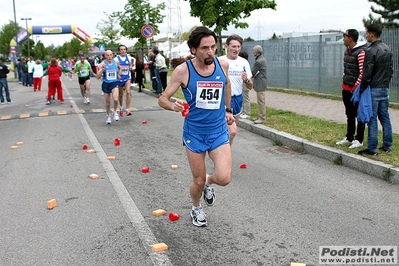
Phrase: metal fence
pixel 315 63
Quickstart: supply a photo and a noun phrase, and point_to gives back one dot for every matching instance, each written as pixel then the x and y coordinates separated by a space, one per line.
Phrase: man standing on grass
pixel 259 72
pixel 353 72
pixel 377 74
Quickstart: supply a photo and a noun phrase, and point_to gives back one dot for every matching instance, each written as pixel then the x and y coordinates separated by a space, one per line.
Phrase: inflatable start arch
pixel 46 30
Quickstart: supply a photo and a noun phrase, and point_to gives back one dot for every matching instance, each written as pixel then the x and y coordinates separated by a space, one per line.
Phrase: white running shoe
pixel 355 144
pixel 108 120
pixel 345 141
pixel 87 100
pixel 209 194
pixel 84 100
pixel 199 217
pixel 244 116
pixel 116 116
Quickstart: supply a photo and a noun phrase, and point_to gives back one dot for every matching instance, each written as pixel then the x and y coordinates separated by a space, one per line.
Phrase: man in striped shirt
pixel 352 77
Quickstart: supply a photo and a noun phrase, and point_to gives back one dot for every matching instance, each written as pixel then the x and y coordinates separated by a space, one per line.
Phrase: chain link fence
pixel 315 63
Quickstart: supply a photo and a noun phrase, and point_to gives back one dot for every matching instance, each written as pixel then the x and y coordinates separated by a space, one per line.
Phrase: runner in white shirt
pixel 239 74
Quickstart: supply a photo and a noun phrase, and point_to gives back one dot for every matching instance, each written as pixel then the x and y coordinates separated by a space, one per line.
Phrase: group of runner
pixel 116 80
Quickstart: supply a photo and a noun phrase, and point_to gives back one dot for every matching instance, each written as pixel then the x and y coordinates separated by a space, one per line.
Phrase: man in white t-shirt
pixel 239 74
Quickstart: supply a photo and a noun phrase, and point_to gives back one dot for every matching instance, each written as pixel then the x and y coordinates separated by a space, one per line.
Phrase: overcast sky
pixel 290 16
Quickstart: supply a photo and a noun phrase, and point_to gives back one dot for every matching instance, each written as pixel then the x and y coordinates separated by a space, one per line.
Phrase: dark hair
pixel 375 29
pixel 234 37
pixel 53 62
pixel 353 34
pixel 121 46
pixel 155 50
pixel 243 54
pixel 200 32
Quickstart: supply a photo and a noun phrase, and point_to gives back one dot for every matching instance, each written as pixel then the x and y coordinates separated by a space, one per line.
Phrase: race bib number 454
pixel 209 94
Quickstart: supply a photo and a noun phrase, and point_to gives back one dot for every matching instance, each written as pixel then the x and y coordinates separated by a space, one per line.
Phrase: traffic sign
pixel 147 31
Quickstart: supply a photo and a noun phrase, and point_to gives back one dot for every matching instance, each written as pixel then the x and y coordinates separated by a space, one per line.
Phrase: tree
pixel 185 35
pixel 39 51
pixel 389 13
pixel 223 13
pixel 109 30
pixel 134 18
pixel 274 37
pixel 249 39
pixel 371 20
pixel 7 33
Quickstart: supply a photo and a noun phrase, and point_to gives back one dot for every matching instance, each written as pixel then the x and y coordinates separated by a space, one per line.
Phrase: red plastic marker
pixel 145 169
pixel 144 122
pixel 71 106
pixel 184 113
pixel 84 147
pixel 243 166
pixel 117 142
pixel 173 216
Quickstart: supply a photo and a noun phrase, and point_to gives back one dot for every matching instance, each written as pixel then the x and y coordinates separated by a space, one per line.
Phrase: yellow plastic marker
pixel 91 151
pixel 20 142
pixel 159 247
pixel 43 114
pixel 14 147
pixel 93 176
pixel 24 116
pixel 159 212
pixel 297 264
pixel 111 158
pixel 51 204
pixel 174 167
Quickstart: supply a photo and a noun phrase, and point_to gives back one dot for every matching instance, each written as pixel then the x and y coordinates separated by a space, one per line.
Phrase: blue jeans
pixel 25 78
pixel 159 87
pixel 380 105
pixel 4 84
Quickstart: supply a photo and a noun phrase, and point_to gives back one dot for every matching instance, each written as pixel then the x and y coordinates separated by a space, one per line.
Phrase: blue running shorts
pixel 107 87
pixel 236 104
pixel 200 143
pixel 122 82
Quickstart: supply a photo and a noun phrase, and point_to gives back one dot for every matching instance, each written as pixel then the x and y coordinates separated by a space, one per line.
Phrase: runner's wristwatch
pixel 229 110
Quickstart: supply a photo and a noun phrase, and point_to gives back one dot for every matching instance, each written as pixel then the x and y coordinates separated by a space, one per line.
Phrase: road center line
pixel 143 230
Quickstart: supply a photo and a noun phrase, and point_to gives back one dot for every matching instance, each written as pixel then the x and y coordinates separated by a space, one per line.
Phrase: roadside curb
pixel 360 163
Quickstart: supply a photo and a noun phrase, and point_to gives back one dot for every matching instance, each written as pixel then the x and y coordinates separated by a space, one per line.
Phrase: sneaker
pixel 199 217
pixel 366 152
pixel 345 141
pixel 108 120
pixel 10 102
pixel 128 112
pixel 121 110
pixel 116 116
pixel 384 149
pixel 48 102
pixel 62 102
pixel 87 100
pixel 209 194
pixel 84 100
pixel 2 102
pixel 244 116
pixel 355 144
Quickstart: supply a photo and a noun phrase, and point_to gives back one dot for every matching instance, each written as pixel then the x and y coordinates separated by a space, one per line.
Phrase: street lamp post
pixel 26 23
pixel 16 40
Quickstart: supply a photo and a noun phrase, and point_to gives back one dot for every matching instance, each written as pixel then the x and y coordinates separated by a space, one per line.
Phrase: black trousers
pixel 351 114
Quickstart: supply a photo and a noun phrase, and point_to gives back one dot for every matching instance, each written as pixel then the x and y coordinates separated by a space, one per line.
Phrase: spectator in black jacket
pixel 377 73
pixel 3 83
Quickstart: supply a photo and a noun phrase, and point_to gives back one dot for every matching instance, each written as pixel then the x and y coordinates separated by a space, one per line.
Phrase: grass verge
pixel 317 130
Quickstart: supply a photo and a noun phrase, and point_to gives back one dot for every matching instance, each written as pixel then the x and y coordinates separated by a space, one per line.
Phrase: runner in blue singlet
pixel 110 73
pixel 207 90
